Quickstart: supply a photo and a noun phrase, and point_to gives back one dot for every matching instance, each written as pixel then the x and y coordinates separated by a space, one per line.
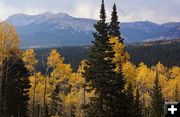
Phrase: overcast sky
pixel 159 11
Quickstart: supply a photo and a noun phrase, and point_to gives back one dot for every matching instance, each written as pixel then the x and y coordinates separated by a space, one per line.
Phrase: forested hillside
pixel 166 52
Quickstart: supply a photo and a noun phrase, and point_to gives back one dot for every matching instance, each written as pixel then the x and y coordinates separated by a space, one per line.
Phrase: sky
pixel 159 11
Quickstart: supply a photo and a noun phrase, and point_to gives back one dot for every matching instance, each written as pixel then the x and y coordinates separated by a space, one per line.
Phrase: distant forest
pixel 150 54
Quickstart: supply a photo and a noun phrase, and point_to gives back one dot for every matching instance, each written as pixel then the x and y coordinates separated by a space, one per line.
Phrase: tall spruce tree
pixel 109 99
pixel 157 99
pixel 114 29
pixel 130 101
pixel 15 88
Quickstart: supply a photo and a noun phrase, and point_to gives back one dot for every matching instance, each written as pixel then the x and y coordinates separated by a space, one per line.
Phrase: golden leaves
pixel 9 40
pixel 54 59
pixel 120 55
pixel 29 58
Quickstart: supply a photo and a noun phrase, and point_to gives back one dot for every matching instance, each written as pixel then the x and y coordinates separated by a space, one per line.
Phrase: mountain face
pixel 61 29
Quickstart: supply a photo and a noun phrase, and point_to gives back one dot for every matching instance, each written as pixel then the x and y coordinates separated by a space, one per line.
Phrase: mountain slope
pixel 53 30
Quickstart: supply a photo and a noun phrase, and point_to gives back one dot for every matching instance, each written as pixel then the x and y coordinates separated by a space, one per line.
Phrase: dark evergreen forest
pixel 166 53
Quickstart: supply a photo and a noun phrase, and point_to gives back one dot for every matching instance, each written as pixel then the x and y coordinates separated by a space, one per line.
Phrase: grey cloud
pixel 129 10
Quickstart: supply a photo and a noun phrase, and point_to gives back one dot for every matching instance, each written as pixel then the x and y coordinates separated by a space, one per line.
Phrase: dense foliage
pixel 109 79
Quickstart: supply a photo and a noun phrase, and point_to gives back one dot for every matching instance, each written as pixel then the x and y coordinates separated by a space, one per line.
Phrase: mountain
pixel 60 29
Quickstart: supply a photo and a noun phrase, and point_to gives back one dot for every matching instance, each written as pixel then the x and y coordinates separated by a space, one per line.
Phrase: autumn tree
pixel 175 75
pixel 36 93
pixel 29 58
pixel 60 74
pixel 144 81
pixel 54 61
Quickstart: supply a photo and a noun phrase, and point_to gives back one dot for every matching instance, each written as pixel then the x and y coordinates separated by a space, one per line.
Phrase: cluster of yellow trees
pixel 64 92
pixel 59 80
pixel 142 76
pixel 69 86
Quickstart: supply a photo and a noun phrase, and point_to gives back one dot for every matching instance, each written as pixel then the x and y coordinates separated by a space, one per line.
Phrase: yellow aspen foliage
pixel 120 55
pixel 174 83
pixel 60 70
pixel 164 84
pixel 175 72
pixel 129 71
pixel 54 58
pixel 9 40
pixel 76 80
pixel 145 78
pixel 161 69
pixel 82 66
pixel 39 84
pixel 60 73
pixel 169 95
pixel 29 58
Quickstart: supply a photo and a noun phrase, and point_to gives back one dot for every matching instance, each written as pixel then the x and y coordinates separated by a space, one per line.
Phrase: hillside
pixel 55 30
pixel 166 51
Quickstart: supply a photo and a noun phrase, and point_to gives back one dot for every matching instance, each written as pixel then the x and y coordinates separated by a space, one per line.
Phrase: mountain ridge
pixel 60 29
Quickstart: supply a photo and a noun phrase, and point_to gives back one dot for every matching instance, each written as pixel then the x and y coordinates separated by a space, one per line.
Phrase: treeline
pixel 72 55
pixel 167 54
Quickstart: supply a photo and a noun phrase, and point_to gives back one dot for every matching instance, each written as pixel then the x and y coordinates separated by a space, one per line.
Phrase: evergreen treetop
pixel 114 29
pixel 108 85
pixel 157 99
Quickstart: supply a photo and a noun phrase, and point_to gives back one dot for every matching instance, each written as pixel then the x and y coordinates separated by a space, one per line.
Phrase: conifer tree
pixel 15 88
pixel 108 86
pixel 138 105
pixel 157 99
pixel 114 29
pixel 130 101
